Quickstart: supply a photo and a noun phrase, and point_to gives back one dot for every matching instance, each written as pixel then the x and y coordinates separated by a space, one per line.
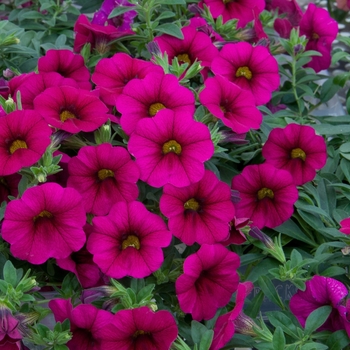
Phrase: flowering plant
pixel 174 175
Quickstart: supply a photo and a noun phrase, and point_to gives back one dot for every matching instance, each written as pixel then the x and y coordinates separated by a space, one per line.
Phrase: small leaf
pixel 170 29
pixel 10 275
pixel 120 10
pixel 279 341
pixel 317 318
pixel 206 340
pixel 270 291
pixel 197 331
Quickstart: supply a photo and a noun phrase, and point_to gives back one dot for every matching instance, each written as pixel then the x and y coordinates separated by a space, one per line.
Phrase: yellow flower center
pixel 298 153
pixel 227 1
pixel 43 214
pixel 265 192
pixel 3 181
pixel 192 204
pixel 244 72
pixel 172 146
pixel 315 36
pixel 223 109
pixel 131 241
pixel 154 108
pixel 17 144
pixel 64 115
pixel 104 173
pixel 184 58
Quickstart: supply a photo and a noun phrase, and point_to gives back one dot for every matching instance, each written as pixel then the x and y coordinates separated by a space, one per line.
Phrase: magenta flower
pixel 208 281
pixel 103 175
pixel 194 45
pixel 236 234
pixel 267 195
pixel 47 222
pixel 228 102
pixel 290 8
pixel 112 74
pixel 81 264
pixel 252 68
pixel 68 64
pixel 297 149
pixel 345 226
pixel 200 212
pixel 224 328
pixel 71 109
pixel 140 328
pixel 171 148
pixel 9 186
pixel 238 9
pixel 35 84
pixel 24 137
pixel 321 30
pixel 128 241
pixel 145 98
pixel 86 322
pixel 99 36
pixel 10 333
pixel 321 291
pixel 122 22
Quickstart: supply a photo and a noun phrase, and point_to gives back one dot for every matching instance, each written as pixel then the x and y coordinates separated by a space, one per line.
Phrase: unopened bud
pixel 7 73
pixel 245 325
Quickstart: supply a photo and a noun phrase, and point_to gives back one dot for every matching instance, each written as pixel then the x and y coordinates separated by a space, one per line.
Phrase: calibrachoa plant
pixel 174 175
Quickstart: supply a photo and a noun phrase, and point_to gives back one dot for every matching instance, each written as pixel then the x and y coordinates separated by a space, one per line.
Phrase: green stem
pixel 294 84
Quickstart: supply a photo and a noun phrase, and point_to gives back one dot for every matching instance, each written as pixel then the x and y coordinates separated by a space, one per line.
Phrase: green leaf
pixel 338 340
pixel 145 293
pixel 120 10
pixel 291 229
pixel 166 14
pixel 279 341
pixel 170 29
pixel 10 275
pixel 317 318
pixel 270 291
pixel 333 271
pixel 206 340
pixel 197 331
pixel 171 2
pixel 328 90
pixel 314 346
pixel 31 15
pixel 279 319
pixel 3 286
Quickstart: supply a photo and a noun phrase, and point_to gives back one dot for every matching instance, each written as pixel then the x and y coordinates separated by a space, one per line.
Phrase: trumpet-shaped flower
pixel 200 212
pixel 228 102
pixel 35 84
pixel 194 46
pixel 237 9
pixel 145 98
pixel 82 265
pixel 66 63
pixel 139 328
pixel 103 175
pixel 321 30
pixel 297 149
pixel 252 68
pixel 208 282
pixel 24 137
pixel 171 148
pixel 267 195
pixel 99 36
pixel 71 109
pixel 86 323
pixel 128 241
pixel 112 74
pixel 47 222
pixel 321 291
